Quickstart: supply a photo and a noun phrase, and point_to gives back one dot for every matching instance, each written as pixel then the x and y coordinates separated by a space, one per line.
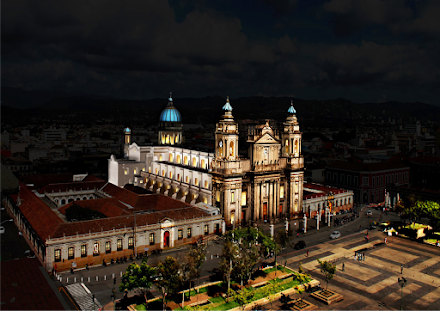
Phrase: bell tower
pixel 226 169
pixel 291 150
pixel 127 141
pixel 226 136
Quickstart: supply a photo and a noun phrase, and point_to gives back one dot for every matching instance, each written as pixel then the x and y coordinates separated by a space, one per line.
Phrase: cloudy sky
pixel 362 50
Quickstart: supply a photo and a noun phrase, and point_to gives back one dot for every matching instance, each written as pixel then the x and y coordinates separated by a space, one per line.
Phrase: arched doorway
pixel 166 239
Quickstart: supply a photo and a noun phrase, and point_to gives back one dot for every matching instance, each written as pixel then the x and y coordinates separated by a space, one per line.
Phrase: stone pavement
pixel 372 284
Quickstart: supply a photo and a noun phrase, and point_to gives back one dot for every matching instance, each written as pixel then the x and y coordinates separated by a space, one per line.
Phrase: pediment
pixel 267 139
pixel 165 222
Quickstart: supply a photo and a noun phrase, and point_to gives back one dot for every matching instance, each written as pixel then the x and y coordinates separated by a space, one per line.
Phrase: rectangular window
pixel 365 181
pixel 282 192
pixel 151 238
pixel 355 180
pixel 95 249
pixel 206 184
pixel 57 255
pixel 126 171
pixel 348 179
pixel 188 232
pixel 206 229
pixel 130 243
pixel 135 171
pixel 119 245
pixel 180 234
pixel 108 247
pixel 196 181
pixel 377 180
pixel 372 180
pixel 84 250
pixel 186 179
pixel 243 198
pixel 232 197
pixel 71 252
pixel 178 177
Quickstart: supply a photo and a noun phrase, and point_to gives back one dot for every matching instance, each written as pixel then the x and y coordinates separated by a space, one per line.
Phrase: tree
pixel 269 291
pixel 302 279
pixel 229 252
pixel 139 278
pixel 169 277
pixel 328 269
pixel 244 296
pixel 430 210
pixel 197 258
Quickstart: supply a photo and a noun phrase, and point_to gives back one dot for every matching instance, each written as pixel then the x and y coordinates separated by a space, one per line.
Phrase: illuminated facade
pixel 267 186
pixel 170 125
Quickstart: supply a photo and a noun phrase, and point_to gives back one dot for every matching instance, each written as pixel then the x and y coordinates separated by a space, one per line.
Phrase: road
pixel 102 289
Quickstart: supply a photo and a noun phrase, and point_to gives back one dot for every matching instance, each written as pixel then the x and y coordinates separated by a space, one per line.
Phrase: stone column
pixel 305 223
pixel 270 200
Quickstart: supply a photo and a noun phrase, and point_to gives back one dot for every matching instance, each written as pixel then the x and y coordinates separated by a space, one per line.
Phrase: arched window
pixel 63 201
pixel 160 157
pixel 85 198
pixel 96 249
pixel 176 139
pixel 206 184
pixel 296 145
pixel 171 157
pixel 84 250
pixel 202 163
pixel 178 158
pixel 196 181
pixel 71 252
pixel 167 139
pixel 194 162
pixel 151 238
pixel 171 175
pixel 185 160
pixel 231 149
pixel 287 146
pixel 57 254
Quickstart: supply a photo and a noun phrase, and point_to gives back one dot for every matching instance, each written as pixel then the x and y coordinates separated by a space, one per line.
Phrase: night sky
pixel 362 50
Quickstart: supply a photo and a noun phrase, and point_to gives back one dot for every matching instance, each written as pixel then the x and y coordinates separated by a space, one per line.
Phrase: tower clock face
pixel 220 144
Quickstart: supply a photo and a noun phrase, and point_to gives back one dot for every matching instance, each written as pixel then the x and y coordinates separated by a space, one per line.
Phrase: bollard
pixel 113 276
pixel 82 280
pixel 67 280
pixel 75 279
pixel 89 278
pixel 105 277
pixel 211 256
pixel 96 278
pixel 121 273
pixel 61 279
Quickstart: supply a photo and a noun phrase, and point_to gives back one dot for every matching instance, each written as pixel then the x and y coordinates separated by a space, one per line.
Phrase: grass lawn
pixel 416 226
pixel 219 303
pixel 433 241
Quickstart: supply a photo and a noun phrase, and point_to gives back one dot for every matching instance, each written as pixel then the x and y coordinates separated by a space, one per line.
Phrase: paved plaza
pixel 372 284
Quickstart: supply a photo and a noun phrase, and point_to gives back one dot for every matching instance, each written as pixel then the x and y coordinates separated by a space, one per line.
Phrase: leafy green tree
pixel 430 210
pixel 248 257
pixel 244 296
pixel 302 279
pixel 328 269
pixel 269 291
pixel 197 258
pixel 139 278
pixel 300 268
pixel 169 274
pixel 227 261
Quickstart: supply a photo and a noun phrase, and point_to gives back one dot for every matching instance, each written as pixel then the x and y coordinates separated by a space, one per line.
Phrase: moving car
pixel 300 245
pixel 369 212
pixel 335 235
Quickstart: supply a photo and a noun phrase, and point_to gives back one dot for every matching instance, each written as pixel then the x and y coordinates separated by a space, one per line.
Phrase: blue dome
pixel 170 114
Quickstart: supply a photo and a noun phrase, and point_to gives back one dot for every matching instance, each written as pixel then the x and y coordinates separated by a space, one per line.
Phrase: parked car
pixel 29 254
pixel 335 235
pixel 2 229
pixel 369 212
pixel 300 245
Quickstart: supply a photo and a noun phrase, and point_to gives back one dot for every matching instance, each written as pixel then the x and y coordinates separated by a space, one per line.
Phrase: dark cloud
pixel 144 49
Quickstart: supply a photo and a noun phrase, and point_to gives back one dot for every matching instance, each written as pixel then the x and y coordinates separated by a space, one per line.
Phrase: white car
pixel 2 229
pixel 335 235
pixel 369 213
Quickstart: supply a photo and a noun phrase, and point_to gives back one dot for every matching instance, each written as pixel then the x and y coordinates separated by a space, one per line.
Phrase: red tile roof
pixel 325 189
pixel 40 216
pixel 42 180
pixel 63 187
pixel 158 207
pixel 110 207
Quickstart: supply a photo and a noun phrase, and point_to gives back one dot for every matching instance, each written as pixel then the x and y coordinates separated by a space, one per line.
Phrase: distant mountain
pixel 19 98
pixel 335 112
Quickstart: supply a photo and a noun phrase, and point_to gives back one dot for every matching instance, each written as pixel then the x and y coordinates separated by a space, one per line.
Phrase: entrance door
pixel 265 211
pixel 280 210
pixel 217 229
pixel 166 239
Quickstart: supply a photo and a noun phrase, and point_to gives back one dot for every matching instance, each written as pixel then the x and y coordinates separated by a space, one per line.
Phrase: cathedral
pixel 264 187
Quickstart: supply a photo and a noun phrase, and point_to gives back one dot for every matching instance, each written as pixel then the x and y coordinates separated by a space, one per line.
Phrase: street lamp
pixel 402 283
pixel 6 221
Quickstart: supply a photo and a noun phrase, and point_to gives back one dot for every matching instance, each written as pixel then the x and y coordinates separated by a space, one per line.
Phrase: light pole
pixel 402 283
pixel 6 221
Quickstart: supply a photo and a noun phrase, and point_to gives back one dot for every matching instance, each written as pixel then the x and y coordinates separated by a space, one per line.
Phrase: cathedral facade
pixel 264 187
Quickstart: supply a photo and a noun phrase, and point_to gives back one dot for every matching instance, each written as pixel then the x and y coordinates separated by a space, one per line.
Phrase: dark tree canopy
pixel 78 213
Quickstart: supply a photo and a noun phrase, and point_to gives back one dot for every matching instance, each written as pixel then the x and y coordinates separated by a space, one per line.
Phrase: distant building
pixel 52 134
pixel 367 180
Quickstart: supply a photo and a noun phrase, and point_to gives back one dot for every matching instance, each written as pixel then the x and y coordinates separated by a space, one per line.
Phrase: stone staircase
pixel 83 297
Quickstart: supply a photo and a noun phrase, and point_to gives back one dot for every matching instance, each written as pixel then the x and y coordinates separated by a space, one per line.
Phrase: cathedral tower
pixel 291 150
pixel 226 169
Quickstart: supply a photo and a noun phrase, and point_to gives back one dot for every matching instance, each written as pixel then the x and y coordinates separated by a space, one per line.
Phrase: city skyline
pixel 371 51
